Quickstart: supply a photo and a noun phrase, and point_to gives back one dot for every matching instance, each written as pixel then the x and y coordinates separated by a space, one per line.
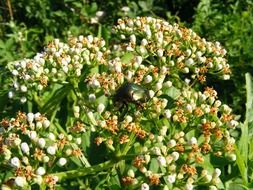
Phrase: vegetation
pixel 109 95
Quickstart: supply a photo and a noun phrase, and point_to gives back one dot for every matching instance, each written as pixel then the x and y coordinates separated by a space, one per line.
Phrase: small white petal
pixel 62 161
pixel 20 181
pixel 40 171
pixel 51 150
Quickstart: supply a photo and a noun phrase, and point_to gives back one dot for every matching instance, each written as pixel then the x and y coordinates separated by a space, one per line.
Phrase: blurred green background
pixel 27 26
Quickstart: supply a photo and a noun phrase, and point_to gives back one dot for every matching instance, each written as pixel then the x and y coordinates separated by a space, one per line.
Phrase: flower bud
pixel 100 108
pixel 46 123
pixel 148 79
pixel 131 173
pixel 40 171
pixel 20 181
pixel 62 161
pixel 161 160
pixel 51 150
pixel 15 162
pixel 25 148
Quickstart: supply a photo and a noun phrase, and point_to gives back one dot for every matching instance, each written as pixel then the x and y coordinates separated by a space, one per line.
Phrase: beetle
pixel 131 93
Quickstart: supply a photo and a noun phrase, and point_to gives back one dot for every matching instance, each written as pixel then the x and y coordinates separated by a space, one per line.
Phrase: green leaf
pixel 3 99
pixel 241 165
pixel 249 104
pixel 53 102
pixel 172 92
pixel 154 165
pixel 126 58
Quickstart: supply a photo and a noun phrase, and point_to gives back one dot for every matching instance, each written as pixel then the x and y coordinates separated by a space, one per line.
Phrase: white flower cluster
pixel 58 62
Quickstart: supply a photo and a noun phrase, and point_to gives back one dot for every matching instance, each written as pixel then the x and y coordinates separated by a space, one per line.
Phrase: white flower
pixel 70 137
pixel 167 114
pixel 17 141
pixel 185 70
pixel 15 162
pixel 76 109
pixel 30 117
pixel 90 38
pixel 208 178
pixel 23 99
pixel 23 88
pixel 15 72
pixel 11 94
pixel 151 93
pixel 38 179
pixel 33 135
pixel 147 158
pixel 7 154
pixel 171 178
pixel 231 157
pixel 20 181
pixel 148 79
pixel 46 123
pixel 130 173
pixel 189 108
pixel 129 118
pixel 78 140
pixel 46 159
pixel 62 161
pixel 100 13
pixel 189 62
pixel 125 9
pixel 188 52
pixel 92 97
pixel 51 150
pixel 216 172
pixel 217 103
pixel 167 84
pixel 37 116
pixel 188 186
pixel 158 86
pixel 161 160
pixel 193 141
pixel 40 171
pixel 156 150
pixel 163 130
pixel 51 136
pixel 100 108
pixel 139 60
pixel 160 52
pixel 144 186
pixel 25 148
pixel 175 155
pixel 133 39
pixel 25 160
pixel 38 125
pixel 226 77
pixel 95 83
pixel 144 42
pixel 172 143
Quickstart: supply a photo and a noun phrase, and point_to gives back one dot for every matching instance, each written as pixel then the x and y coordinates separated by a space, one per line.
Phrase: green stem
pixel 85 171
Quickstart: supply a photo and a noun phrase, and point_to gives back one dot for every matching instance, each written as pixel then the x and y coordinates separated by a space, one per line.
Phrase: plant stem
pixel 9 8
pixel 85 171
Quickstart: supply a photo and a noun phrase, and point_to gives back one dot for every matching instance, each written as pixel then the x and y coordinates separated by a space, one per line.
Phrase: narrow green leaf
pixel 249 104
pixel 241 165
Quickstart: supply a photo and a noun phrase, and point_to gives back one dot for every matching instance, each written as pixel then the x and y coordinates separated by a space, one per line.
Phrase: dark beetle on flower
pixel 131 93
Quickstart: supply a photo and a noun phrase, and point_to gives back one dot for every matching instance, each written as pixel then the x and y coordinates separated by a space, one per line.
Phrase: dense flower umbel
pixel 172 133
pixel 29 149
